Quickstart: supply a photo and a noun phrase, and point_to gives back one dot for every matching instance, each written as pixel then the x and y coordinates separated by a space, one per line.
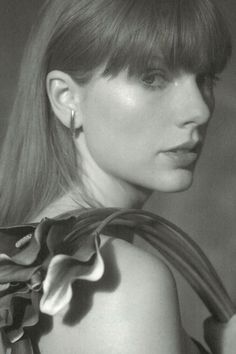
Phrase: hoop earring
pixel 72 124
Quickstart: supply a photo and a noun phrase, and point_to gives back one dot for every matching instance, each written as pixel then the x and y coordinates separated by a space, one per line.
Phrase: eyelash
pixel 160 75
pixel 204 80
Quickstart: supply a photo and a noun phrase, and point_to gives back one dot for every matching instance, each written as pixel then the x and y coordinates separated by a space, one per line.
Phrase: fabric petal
pixel 31 313
pixel 58 232
pixel 80 247
pixel 2 344
pixel 4 287
pixel 23 346
pixel 62 271
pixel 6 310
pixel 11 272
pixel 15 334
pixel 6 318
pixel 85 247
pixel 10 235
pixel 28 254
pixel 19 317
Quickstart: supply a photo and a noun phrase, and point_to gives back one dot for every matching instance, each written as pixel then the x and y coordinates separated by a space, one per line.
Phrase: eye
pixel 207 81
pixel 155 78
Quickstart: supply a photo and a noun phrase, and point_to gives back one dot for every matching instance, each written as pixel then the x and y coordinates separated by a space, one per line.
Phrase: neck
pixel 70 202
pixel 101 190
pixel 114 193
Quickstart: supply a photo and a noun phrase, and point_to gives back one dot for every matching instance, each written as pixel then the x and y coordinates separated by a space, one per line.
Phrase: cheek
pixel 114 110
pixel 118 121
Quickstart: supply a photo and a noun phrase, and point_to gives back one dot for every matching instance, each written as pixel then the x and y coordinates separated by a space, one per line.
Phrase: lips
pixel 184 154
pixel 188 146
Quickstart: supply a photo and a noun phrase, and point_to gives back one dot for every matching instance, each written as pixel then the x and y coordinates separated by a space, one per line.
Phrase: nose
pixel 194 106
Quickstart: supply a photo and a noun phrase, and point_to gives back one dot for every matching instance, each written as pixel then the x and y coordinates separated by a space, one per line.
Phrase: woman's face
pixel 147 132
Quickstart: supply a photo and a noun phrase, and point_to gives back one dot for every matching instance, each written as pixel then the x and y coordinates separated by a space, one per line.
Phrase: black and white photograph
pixel 117 177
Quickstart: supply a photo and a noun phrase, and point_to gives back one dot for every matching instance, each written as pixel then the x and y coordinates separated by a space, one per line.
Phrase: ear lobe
pixel 64 97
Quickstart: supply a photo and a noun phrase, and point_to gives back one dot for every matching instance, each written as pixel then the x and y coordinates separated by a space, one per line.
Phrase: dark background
pixel 207 210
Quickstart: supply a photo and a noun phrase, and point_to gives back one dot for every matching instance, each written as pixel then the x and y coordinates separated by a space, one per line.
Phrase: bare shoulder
pixel 133 309
pixel 140 265
pixel 143 276
pixel 145 300
pixel 149 296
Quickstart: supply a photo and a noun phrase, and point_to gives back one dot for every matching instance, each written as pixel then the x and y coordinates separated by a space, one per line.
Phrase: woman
pixel 113 102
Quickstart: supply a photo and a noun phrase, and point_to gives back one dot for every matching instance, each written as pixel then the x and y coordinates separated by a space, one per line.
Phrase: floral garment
pixel 39 262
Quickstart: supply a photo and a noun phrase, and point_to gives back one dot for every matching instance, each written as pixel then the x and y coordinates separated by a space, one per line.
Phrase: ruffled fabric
pixel 38 264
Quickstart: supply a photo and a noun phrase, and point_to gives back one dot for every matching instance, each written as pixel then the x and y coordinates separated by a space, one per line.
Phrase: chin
pixel 177 181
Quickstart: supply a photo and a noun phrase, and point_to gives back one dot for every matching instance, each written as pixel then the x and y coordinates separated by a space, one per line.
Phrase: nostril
pixel 201 112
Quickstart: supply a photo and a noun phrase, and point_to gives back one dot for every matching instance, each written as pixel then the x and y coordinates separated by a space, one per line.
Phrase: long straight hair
pixel 39 162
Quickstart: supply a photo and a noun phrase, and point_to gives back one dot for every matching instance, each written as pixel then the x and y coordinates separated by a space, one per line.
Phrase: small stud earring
pixel 72 124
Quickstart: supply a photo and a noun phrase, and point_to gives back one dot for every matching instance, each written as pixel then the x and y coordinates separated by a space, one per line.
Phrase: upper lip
pixel 189 145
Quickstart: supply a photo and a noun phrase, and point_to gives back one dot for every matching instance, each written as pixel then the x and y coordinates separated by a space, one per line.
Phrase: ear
pixel 64 95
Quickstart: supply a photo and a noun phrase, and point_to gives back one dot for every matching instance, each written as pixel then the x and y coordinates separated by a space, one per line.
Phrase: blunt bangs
pixel 188 35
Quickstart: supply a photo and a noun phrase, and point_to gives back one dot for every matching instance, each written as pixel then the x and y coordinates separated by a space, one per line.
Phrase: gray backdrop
pixel 207 210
